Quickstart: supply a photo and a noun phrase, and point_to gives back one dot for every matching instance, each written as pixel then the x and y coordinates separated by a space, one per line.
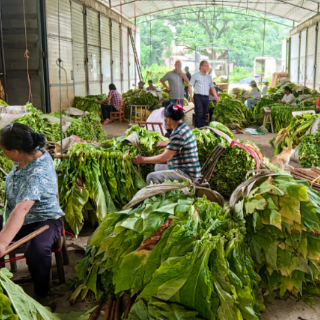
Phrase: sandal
pixel 106 121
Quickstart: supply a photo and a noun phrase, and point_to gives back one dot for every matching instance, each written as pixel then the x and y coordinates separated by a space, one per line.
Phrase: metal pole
pixel 101 68
pixel 111 56
pixel 150 46
pixel 299 58
pixel 86 47
pixel 315 56
pixel 305 59
pixel 4 72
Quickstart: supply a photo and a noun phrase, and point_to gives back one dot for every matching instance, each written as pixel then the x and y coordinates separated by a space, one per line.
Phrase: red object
pixel 318 102
pixel 250 151
pixel 3 264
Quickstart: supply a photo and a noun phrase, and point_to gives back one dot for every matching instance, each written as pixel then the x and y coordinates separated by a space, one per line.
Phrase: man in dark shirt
pixel 188 74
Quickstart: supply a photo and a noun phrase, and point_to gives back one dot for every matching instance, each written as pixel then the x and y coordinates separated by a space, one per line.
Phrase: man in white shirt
pixel 288 97
pixel 203 86
pixel 265 89
pixel 255 94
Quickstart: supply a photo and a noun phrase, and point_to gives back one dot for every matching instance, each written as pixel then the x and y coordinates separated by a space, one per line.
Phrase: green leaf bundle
pixel 95 182
pixel 87 128
pixel 233 112
pixel 183 256
pixel 88 104
pixel 309 151
pixel 283 224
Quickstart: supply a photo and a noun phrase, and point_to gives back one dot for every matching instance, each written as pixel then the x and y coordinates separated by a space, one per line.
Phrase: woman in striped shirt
pixel 181 154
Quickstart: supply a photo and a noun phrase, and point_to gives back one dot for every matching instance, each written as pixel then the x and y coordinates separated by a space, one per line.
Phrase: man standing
pixel 203 86
pixel 188 74
pixel 176 79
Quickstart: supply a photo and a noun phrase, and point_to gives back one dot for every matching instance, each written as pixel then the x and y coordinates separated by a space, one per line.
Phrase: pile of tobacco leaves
pixel 309 151
pixel 148 144
pixel 292 135
pixel 15 304
pixel 89 104
pixel 282 219
pixel 33 120
pixel 282 115
pixel 96 181
pixel 87 128
pixel 234 112
pixel 233 165
pixel 178 255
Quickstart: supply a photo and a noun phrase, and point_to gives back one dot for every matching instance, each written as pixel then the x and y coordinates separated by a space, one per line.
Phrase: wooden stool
pixel 266 114
pixel 138 116
pixel 118 115
pixel 59 249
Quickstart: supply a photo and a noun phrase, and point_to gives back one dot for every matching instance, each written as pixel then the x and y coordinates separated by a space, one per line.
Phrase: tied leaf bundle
pixel 309 151
pixel 95 182
pixel 283 223
pixel 231 170
pixel 87 128
pixel 142 98
pixel 233 112
pixel 282 115
pixel 37 124
pixel 179 254
pixel 292 135
pixel 6 165
pixel 206 142
pixel 148 144
pixel 89 104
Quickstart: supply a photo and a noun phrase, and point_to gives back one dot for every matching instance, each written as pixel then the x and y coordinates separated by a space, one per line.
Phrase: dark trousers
pixel 186 93
pixel 201 105
pixel 38 252
pixel 106 109
pixel 210 110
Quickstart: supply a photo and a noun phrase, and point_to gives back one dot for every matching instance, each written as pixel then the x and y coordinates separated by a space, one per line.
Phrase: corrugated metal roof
pixel 296 10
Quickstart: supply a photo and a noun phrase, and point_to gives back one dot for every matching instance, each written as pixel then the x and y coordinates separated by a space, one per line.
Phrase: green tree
pixel 244 33
pixel 161 40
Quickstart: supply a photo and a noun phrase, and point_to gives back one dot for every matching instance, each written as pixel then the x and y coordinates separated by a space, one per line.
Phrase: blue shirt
pixel 186 159
pixel 37 181
pixel 201 83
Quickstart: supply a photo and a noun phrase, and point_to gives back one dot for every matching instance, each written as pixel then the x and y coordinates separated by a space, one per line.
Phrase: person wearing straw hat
pixel 181 154
pixel 32 201
pixel 255 93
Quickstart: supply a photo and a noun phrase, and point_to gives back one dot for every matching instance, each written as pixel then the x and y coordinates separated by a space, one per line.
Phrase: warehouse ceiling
pixel 296 10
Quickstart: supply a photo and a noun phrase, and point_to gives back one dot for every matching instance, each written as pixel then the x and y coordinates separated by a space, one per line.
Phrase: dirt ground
pixel 277 310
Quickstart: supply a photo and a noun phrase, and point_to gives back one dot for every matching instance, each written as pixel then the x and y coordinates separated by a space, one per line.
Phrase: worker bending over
pixel 181 154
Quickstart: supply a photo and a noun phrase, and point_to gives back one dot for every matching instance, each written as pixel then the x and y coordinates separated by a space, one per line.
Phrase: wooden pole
pixel 24 240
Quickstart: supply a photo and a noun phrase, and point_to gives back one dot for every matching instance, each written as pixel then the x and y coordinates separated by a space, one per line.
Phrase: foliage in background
pixel 239 73
pixel 240 31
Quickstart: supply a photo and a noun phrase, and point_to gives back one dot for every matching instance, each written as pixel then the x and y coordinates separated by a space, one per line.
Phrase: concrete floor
pixel 277 310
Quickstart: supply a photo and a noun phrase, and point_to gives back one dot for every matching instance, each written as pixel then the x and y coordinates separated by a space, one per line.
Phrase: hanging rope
pixel 26 53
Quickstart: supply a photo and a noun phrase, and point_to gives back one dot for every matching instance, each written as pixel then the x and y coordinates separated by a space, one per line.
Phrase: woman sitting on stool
pixel 115 98
pixel 32 201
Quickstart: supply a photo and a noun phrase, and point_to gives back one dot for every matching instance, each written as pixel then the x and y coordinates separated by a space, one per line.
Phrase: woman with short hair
pixel 115 99
pixel 32 201
pixel 181 154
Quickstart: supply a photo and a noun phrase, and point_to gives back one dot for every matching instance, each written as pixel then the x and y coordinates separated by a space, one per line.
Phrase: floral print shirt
pixel 37 181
